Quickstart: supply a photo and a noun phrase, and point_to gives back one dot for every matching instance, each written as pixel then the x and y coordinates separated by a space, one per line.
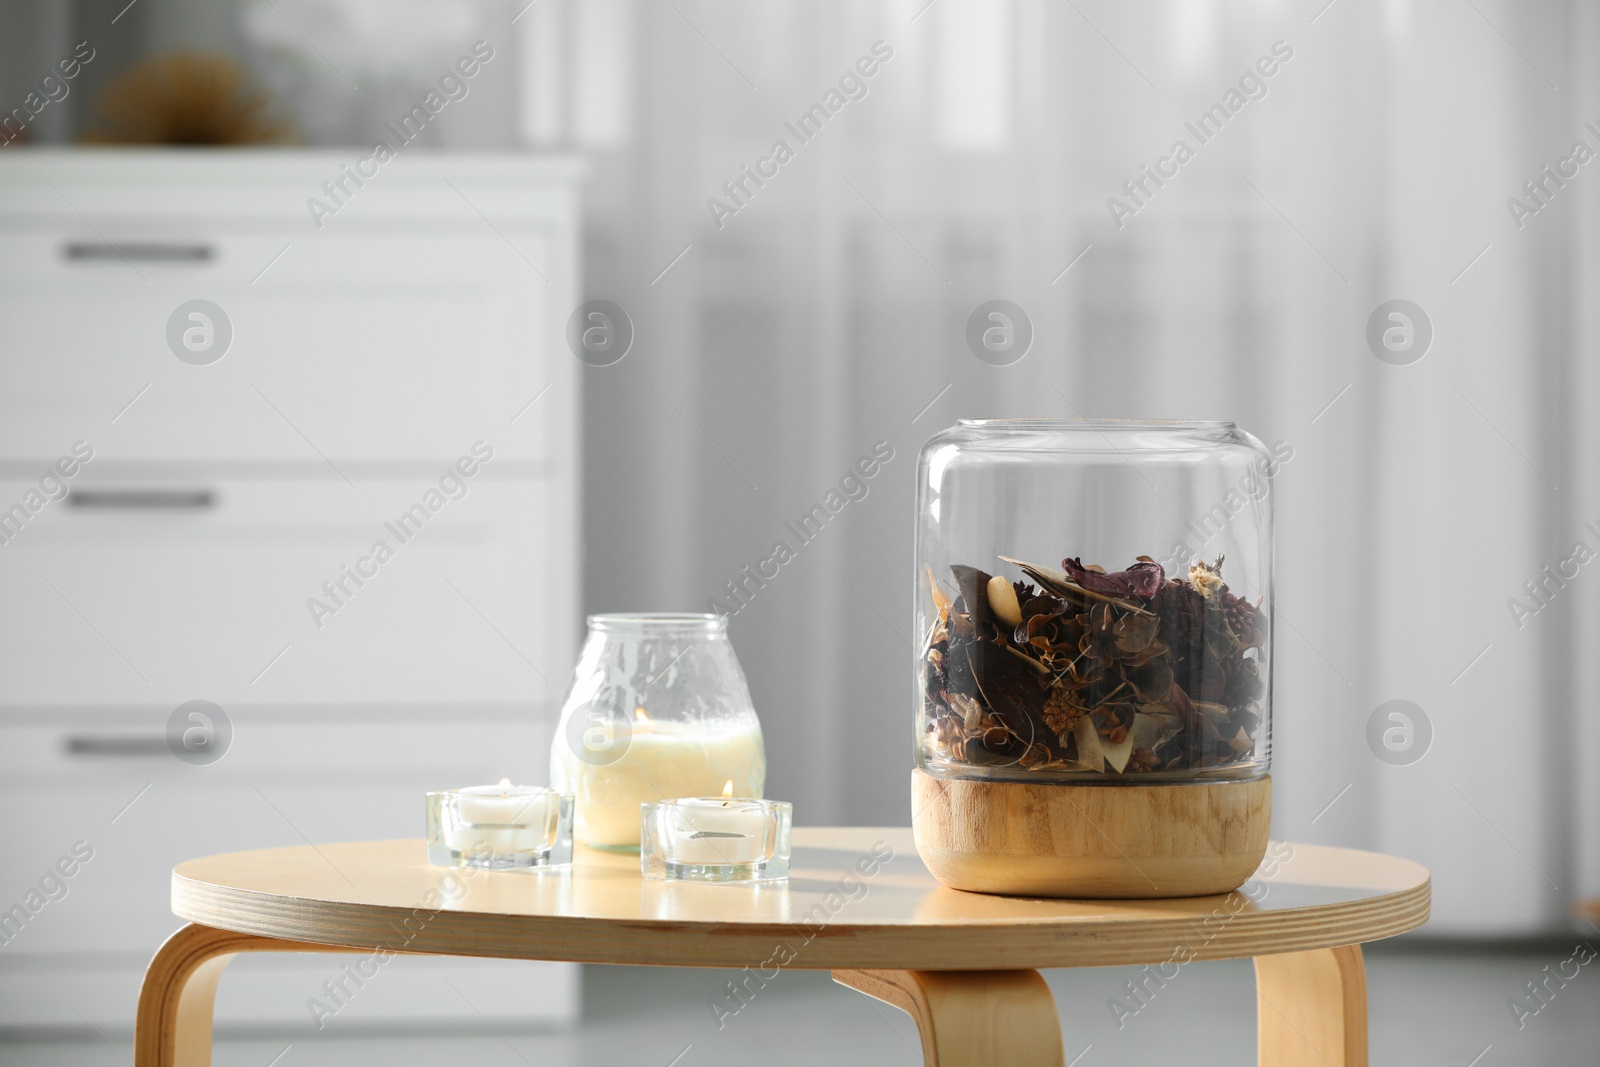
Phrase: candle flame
pixel 505 783
pixel 727 790
pixel 640 716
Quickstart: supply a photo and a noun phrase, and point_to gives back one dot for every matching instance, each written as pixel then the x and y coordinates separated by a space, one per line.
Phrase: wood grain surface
pixel 972 1018
pixel 180 988
pixel 1311 1007
pixel 1097 841
pixel 857 898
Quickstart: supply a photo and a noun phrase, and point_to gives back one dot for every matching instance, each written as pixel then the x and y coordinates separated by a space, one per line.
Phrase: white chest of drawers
pixel 220 543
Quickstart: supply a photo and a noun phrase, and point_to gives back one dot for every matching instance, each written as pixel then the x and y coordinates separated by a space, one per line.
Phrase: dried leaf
pixel 1152 730
pixel 1134 633
pixel 974 586
pixel 1117 752
pixel 1011 689
pixel 1090 752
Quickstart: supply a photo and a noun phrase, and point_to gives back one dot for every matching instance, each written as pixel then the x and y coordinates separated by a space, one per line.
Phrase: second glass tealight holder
pixel 715 839
pixel 501 827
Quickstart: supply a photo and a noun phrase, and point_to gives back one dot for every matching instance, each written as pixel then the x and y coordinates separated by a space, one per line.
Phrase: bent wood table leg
pixel 180 986
pixel 1311 1008
pixel 972 1018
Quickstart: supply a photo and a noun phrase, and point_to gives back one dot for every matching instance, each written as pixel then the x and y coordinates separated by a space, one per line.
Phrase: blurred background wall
pixel 776 343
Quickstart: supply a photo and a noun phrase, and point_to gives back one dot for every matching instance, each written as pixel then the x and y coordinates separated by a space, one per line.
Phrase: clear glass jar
pixel 658 710
pixel 1092 601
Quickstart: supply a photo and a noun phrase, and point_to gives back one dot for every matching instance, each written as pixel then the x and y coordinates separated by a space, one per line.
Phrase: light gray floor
pixel 1430 1005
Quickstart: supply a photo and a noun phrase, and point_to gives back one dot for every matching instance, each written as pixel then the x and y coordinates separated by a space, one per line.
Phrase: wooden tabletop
pixel 856 898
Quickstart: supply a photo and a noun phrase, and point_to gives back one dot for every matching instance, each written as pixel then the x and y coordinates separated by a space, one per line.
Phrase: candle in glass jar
pixel 658 760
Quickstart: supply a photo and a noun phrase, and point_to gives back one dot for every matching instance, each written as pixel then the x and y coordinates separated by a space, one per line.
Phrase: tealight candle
pixel 715 839
pixel 500 826
pixel 503 817
pixel 719 831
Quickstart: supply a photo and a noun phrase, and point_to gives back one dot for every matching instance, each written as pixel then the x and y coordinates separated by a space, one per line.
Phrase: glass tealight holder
pixel 715 839
pixel 501 827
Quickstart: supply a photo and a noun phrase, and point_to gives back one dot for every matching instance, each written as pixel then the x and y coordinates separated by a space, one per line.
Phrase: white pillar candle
pixel 502 818
pixel 659 761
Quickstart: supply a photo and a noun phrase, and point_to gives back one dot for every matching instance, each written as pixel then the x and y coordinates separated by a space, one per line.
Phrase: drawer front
pixel 97 795
pixel 375 344
pixel 134 591
pixel 120 822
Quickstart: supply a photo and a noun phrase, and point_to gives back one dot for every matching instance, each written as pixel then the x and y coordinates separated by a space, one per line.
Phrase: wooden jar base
pixel 1094 841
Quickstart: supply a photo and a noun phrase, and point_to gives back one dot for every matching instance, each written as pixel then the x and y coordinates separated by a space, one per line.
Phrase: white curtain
pixel 976 161
pixel 827 314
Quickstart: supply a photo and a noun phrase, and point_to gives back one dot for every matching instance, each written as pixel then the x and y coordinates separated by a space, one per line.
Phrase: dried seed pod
pixel 1003 602
pixel 969 710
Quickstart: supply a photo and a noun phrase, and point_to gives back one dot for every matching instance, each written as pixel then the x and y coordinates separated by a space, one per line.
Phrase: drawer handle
pixel 143 499
pixel 124 745
pixel 147 251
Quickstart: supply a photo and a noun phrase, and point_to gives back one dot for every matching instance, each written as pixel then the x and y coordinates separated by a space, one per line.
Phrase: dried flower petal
pixel 1205 580
pixel 1142 580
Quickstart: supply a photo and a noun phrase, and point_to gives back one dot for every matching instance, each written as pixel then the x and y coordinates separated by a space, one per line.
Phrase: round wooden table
pixel 858 903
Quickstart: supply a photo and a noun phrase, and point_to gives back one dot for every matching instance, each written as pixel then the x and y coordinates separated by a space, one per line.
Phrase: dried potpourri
pixel 1112 674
